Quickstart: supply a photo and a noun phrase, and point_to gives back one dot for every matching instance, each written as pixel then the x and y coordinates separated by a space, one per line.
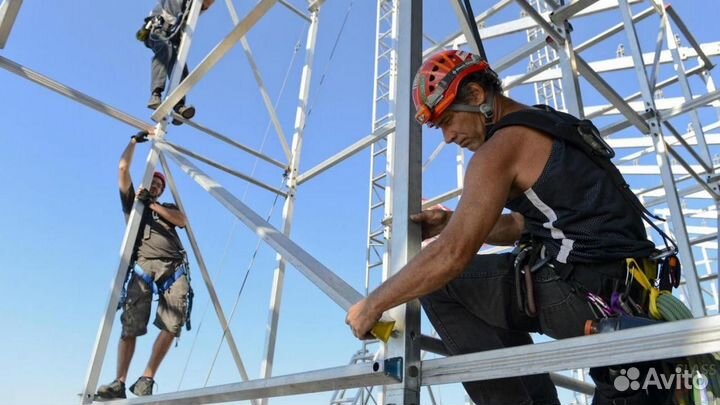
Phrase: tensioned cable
pixel 327 64
pixel 259 242
pixel 235 223
pixel 472 24
pixel 239 295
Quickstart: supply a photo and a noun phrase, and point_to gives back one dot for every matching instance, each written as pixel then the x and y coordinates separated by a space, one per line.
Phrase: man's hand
pixel 361 318
pixel 432 221
pixel 140 137
pixel 143 195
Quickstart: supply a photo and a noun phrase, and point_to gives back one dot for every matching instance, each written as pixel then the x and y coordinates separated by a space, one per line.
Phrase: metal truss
pixel 667 147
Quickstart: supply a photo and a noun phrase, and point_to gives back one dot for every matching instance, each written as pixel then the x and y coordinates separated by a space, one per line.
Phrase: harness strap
pixel 584 135
pixel 165 285
pixel 637 274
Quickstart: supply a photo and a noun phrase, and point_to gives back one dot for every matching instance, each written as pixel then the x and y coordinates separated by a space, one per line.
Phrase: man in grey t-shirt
pixel 159 268
pixel 165 30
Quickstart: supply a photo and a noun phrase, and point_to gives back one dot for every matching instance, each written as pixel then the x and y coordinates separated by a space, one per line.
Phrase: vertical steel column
pixel 695 297
pixel 406 180
pixel 227 333
pixel 289 207
pixel 133 226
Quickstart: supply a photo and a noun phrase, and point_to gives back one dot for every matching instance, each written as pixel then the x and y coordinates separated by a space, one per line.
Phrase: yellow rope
pixel 637 273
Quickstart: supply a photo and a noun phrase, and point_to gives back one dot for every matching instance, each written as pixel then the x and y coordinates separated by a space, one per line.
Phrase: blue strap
pixel 165 286
pixel 172 279
pixel 147 278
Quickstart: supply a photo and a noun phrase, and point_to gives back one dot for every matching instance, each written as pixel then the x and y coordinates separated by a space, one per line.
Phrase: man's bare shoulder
pixel 524 153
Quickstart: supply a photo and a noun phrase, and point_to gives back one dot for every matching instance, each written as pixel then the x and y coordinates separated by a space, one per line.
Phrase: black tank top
pixel 578 213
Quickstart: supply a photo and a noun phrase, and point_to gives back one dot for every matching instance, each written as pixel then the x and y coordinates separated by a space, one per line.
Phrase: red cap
pixel 161 177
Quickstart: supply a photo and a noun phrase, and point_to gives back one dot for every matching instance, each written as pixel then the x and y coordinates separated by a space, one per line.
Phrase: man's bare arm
pixel 174 216
pixel 507 230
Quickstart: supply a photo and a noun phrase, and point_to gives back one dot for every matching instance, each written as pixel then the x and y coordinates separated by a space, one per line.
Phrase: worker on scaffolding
pixel 161 33
pixel 158 265
pixel 572 228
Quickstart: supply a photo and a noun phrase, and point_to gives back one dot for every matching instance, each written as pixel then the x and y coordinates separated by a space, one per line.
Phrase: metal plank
pixel 670 340
pixel 356 375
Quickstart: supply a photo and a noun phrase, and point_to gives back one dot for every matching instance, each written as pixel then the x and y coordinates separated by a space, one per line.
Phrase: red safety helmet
pixel 436 82
pixel 161 177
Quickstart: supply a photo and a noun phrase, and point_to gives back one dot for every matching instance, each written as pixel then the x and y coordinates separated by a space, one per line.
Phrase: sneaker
pixel 155 101
pixel 115 389
pixel 143 386
pixel 186 112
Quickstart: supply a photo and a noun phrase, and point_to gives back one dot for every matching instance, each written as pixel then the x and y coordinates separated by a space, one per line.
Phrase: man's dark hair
pixel 487 79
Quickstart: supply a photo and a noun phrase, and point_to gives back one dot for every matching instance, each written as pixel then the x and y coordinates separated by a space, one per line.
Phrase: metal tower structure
pixel 547 92
pixel 672 170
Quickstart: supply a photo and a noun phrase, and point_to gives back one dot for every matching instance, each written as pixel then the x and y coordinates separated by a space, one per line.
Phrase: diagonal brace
pixel 328 282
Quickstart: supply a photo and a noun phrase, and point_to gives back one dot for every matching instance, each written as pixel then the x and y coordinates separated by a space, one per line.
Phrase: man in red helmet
pixel 159 267
pixel 574 226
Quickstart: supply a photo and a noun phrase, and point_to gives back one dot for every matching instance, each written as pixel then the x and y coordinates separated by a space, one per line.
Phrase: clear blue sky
pixel 60 214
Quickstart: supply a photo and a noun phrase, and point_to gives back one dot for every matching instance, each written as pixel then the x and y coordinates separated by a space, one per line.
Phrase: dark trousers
pixel 478 311
pixel 164 56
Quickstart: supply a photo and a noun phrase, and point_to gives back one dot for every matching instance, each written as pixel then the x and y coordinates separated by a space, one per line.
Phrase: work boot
pixel 186 112
pixel 155 100
pixel 115 389
pixel 143 386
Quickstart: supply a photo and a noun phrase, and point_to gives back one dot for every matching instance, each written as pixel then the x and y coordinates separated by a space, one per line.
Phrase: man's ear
pixel 477 93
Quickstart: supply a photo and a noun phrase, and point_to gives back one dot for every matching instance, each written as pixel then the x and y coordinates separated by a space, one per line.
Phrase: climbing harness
pixel 157 28
pixel 585 136
pixel 161 287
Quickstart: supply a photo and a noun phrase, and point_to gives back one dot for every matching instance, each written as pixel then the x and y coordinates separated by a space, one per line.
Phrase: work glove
pixel 144 196
pixel 140 137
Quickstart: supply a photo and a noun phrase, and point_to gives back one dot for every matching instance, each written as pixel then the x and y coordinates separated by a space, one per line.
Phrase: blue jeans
pixel 164 56
pixel 478 311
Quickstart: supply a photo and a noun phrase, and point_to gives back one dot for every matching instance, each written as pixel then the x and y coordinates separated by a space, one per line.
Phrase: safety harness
pixel 585 136
pixel 162 286
pixel 159 29
pixel 530 255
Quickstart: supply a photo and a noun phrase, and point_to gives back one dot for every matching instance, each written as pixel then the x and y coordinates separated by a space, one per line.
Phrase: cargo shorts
pixel 172 303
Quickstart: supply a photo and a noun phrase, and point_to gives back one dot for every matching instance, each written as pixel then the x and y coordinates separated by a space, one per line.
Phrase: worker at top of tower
pixel 161 33
pixel 159 266
pixel 572 227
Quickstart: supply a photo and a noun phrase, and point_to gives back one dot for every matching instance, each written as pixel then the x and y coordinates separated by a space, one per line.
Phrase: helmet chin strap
pixel 486 109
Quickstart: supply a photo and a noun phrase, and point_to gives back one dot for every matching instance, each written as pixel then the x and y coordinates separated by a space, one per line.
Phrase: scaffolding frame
pixel 401 371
